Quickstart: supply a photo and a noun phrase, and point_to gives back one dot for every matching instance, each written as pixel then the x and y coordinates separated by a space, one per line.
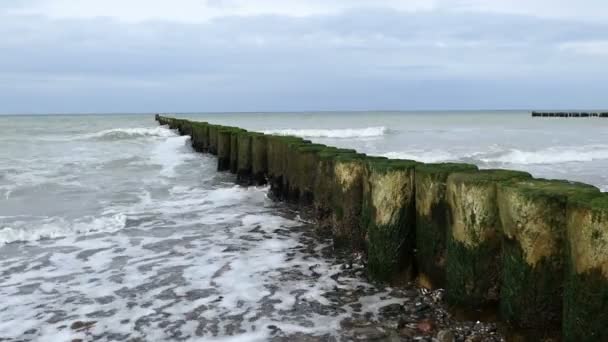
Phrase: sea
pixel 113 229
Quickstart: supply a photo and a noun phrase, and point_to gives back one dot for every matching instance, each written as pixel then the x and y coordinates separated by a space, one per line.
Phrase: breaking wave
pixel 341 133
pixel 130 133
pixel 423 156
pixel 52 228
pixel 552 155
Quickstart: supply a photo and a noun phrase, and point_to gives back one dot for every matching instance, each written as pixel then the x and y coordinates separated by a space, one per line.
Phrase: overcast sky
pixel 273 55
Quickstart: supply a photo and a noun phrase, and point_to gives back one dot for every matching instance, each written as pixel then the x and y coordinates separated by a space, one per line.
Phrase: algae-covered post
pixel 259 158
pixel 432 219
pixel 234 149
pixel 323 182
pixel 347 198
pixel 473 243
pixel 388 213
pixel 533 217
pixel 277 147
pixel 301 169
pixel 586 286
pixel 200 136
pixel 223 149
pixel 212 138
pixel 243 172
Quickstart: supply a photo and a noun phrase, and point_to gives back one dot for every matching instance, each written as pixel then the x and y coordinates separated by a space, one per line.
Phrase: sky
pixel 119 56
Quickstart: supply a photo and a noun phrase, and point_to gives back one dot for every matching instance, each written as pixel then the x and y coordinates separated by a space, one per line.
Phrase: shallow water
pixel 112 228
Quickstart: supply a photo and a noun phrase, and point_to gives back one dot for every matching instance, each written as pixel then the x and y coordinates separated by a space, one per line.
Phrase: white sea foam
pixel 128 133
pixel 342 133
pixel 51 228
pixel 552 155
pixel 251 271
pixel 433 156
pixel 171 153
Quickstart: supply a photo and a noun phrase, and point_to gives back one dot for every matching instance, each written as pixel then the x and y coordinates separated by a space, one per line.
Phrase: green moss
pixel 223 149
pixel 200 136
pixel 474 240
pixel 388 217
pixel 244 164
pixel 235 135
pixel 586 286
pixel 432 213
pixel 301 170
pixel 323 185
pixel 585 303
pixel 259 158
pixel 472 274
pixel 278 147
pixel 349 170
pixel 213 132
pixel 533 219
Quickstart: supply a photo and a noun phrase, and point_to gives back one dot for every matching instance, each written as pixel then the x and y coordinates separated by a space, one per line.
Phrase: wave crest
pixel 341 133
pixel 552 155
pixel 130 133
pixel 434 156
pixel 53 228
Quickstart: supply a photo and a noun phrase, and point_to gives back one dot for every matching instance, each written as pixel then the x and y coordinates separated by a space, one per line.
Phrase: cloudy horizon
pixel 66 56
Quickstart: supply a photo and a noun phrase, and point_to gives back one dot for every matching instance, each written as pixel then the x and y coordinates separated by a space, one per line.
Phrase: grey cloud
pixel 354 60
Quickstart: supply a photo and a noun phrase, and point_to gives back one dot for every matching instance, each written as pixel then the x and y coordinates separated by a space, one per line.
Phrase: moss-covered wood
pixel 234 150
pixel 388 216
pixel 586 287
pixel 200 136
pixel 243 172
pixel 349 171
pixel 533 219
pixel 473 259
pixel 259 158
pixel 223 149
pixel 324 181
pixel 432 224
pixel 213 132
pixel 278 148
pixel 301 170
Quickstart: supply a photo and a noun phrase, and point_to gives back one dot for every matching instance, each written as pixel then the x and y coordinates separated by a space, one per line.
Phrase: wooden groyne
pixel 570 114
pixel 536 248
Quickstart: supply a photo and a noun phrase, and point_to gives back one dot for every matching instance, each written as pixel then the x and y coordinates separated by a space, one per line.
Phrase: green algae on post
pixel 388 211
pixel 302 166
pixel 533 218
pixel 277 147
pixel 347 198
pixel 234 150
pixel 243 172
pixel 432 224
pixel 324 181
pixel 586 287
pixel 199 136
pixel 259 158
pixel 473 242
pixel 212 138
pixel 223 149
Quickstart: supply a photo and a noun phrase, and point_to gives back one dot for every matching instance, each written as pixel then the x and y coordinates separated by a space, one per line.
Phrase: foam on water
pixel 55 227
pixel 130 133
pixel 171 153
pixel 179 273
pixel 342 133
pixel 423 156
pixel 552 155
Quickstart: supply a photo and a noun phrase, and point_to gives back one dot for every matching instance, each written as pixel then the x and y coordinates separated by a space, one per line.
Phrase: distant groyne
pixel 536 248
pixel 570 114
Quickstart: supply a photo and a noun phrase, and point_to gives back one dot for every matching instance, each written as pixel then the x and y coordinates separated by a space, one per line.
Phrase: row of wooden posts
pixel 537 248
pixel 570 114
